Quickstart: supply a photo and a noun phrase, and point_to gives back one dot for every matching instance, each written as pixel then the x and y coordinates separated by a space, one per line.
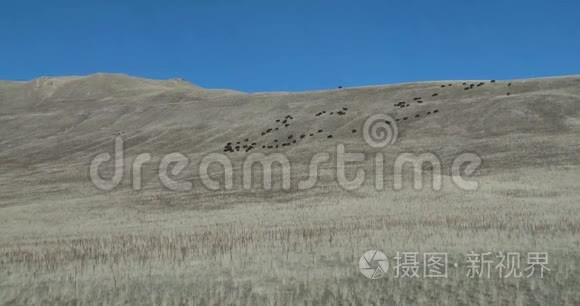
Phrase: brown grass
pixel 270 253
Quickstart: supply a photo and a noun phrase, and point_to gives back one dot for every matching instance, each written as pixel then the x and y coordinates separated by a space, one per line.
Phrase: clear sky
pixel 291 45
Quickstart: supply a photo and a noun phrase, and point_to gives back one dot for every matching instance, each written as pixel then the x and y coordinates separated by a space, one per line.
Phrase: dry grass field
pixel 64 241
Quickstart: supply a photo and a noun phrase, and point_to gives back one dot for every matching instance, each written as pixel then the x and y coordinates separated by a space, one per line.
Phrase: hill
pixel 55 220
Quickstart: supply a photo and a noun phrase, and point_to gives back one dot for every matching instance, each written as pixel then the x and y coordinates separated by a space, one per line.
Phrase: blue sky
pixel 290 45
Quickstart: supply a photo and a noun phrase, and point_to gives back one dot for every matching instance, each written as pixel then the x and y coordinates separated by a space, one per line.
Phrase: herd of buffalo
pixel 287 138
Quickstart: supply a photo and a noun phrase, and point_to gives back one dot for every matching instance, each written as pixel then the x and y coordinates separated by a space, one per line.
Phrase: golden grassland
pixel 118 248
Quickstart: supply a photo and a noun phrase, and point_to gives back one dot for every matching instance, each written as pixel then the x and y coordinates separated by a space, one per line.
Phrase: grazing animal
pixel 302 136
pixel 417 116
pixel 290 137
pixel 442 86
pixel 509 93
pixel 339 87
pixel 510 84
pixel 435 94
pixel 435 111
pixel 493 81
pixel 319 131
pixel 287 124
pixel 354 131
pixel 329 136
pixel 344 109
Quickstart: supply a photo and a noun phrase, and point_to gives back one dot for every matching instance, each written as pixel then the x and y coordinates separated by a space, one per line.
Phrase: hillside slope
pixel 65 241
pixel 67 121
